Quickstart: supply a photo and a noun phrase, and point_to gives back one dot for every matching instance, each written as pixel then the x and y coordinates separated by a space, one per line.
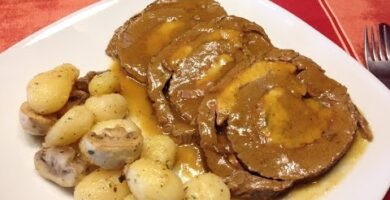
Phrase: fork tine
pixel 374 54
pixel 367 53
pixel 386 37
pixel 381 30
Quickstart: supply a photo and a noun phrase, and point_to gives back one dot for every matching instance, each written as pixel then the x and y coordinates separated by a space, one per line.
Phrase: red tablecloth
pixel 341 21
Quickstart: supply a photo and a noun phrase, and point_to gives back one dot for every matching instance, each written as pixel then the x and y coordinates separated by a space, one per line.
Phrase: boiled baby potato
pixel 49 91
pixel 160 148
pixel 207 186
pixel 104 83
pixel 130 197
pixel 151 180
pixel 102 185
pixel 107 106
pixel 70 127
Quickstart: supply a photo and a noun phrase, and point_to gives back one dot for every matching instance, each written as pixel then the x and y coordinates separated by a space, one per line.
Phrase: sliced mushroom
pixel 79 92
pixel 112 148
pixel 77 97
pixel 34 123
pixel 60 165
pixel 82 82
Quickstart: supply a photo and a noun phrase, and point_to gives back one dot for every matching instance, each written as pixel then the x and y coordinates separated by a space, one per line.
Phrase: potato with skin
pixel 160 148
pixel 101 185
pixel 151 180
pixel 49 91
pixel 104 83
pixel 70 127
pixel 206 186
pixel 107 106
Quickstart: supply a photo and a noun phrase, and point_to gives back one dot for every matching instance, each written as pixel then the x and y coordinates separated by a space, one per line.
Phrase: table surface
pixel 20 18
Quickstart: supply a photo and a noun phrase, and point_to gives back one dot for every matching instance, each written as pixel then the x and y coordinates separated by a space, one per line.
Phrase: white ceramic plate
pixel 81 39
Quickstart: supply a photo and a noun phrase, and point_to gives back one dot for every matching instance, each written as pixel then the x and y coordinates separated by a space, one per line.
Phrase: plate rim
pixel 22 43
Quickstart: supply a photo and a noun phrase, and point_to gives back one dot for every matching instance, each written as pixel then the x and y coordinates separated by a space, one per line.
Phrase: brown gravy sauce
pixel 188 160
pixel 321 186
pixel 140 108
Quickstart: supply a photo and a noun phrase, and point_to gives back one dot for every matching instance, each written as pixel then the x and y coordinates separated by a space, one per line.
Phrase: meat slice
pixel 145 34
pixel 222 160
pixel 192 64
pixel 284 120
pixel 245 185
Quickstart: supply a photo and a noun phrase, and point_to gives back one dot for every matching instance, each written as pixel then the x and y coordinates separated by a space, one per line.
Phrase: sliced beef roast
pixel 283 122
pixel 265 119
pixel 183 71
pixel 145 34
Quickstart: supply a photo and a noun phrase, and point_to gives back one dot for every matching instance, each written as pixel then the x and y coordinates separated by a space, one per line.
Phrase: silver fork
pixel 378 55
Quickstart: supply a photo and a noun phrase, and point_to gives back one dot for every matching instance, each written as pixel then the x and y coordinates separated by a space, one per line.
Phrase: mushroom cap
pixel 60 165
pixel 34 123
pixel 112 148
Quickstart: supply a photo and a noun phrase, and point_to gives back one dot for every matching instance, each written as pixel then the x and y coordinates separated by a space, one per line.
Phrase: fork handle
pixel 380 71
pixel 386 82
